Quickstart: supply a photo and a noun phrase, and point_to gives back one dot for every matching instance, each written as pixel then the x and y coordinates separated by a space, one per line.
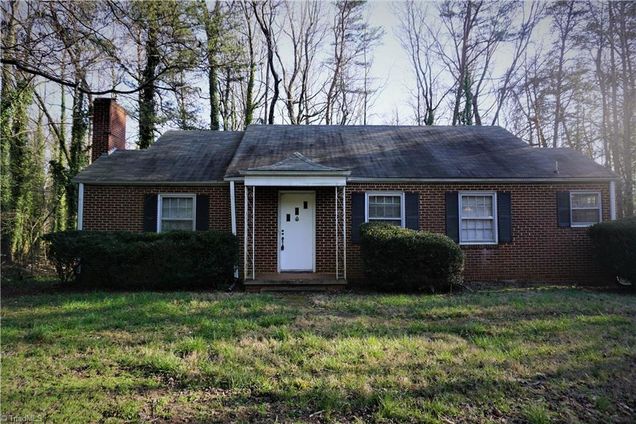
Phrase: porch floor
pixel 294 281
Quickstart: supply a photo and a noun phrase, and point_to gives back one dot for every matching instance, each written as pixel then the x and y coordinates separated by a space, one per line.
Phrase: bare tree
pixel 521 39
pixel 352 36
pixel 414 37
pixel 474 30
pixel 564 15
pixel 304 28
pixel 265 12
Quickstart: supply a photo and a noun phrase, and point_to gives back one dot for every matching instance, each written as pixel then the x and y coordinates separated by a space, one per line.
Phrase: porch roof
pixel 296 164
pixel 295 171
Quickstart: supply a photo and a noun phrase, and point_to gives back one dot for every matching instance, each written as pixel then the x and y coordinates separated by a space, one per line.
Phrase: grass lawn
pixel 518 355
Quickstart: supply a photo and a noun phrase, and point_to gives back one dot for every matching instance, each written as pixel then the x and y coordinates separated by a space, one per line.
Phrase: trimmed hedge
pixel 614 243
pixel 142 261
pixel 399 259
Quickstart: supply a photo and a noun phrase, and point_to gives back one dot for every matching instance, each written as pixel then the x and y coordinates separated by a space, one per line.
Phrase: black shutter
pixel 357 215
pixel 504 216
pixel 563 208
pixel 150 213
pixel 412 208
pixel 452 216
pixel 203 214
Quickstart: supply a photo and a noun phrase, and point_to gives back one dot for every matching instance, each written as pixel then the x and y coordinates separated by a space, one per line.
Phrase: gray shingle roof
pixel 369 152
pixel 438 152
pixel 178 156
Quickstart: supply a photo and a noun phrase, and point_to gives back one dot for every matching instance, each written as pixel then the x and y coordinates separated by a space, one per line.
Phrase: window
pixel 176 212
pixel 585 208
pixel 477 218
pixel 385 207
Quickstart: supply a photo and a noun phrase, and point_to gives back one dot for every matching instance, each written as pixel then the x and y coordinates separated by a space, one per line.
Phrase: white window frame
pixel 599 208
pixel 385 193
pixel 492 194
pixel 162 196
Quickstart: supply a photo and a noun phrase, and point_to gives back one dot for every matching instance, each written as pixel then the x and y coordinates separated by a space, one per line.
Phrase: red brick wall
pixel 109 127
pixel 122 207
pixel 541 251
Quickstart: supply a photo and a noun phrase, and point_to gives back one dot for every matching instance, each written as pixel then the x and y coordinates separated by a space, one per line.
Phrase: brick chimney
pixel 109 127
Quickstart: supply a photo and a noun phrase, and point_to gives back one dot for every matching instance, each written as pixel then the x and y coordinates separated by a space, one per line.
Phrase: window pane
pixel 478 230
pixel 168 225
pixel 392 211
pixel 585 200
pixel 177 207
pixel 585 216
pixel 477 206
pixel 385 207
pixel 166 205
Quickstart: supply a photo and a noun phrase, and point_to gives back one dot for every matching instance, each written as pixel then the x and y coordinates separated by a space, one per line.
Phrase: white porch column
pixel 253 233
pixel 245 232
pixel 341 233
pixel 337 243
pixel 249 233
pixel 344 227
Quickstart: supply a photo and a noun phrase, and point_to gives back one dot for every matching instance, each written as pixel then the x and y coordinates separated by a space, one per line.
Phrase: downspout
pixel 80 207
pixel 233 215
pixel 612 195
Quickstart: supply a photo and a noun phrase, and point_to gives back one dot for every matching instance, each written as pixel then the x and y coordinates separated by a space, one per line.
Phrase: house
pixel 296 195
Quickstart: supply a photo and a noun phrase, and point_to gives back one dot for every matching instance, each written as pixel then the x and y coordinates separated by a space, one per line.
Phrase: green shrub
pixel 124 260
pixel 397 258
pixel 614 243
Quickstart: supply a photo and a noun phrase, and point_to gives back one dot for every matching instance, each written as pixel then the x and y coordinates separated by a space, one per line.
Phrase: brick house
pixel 296 195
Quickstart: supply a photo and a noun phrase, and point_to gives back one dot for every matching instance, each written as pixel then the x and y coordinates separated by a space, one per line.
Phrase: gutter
pixel 478 180
pixel 153 183
pixel 466 180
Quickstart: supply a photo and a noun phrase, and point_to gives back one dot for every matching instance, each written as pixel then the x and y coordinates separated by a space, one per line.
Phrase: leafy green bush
pixel 397 258
pixel 124 260
pixel 614 243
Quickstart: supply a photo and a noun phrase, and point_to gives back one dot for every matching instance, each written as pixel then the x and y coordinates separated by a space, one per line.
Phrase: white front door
pixel 296 226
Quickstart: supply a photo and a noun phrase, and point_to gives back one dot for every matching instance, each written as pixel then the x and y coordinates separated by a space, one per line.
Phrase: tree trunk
pixel 628 113
pixel 212 32
pixel 250 105
pixel 147 102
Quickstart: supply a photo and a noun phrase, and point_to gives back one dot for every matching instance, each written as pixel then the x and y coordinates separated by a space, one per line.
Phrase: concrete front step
pixel 294 282
pixel 294 288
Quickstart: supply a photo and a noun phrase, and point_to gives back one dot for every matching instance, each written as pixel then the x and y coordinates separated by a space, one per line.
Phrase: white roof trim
pixel 475 180
pixel 295 180
pixel 154 183
pixel 462 180
pixel 296 173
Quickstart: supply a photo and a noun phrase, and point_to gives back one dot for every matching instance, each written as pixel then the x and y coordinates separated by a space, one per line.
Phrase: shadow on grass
pixel 223 316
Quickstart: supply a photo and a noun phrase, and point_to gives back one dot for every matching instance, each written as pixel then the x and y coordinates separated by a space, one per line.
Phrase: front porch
pixel 294 226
